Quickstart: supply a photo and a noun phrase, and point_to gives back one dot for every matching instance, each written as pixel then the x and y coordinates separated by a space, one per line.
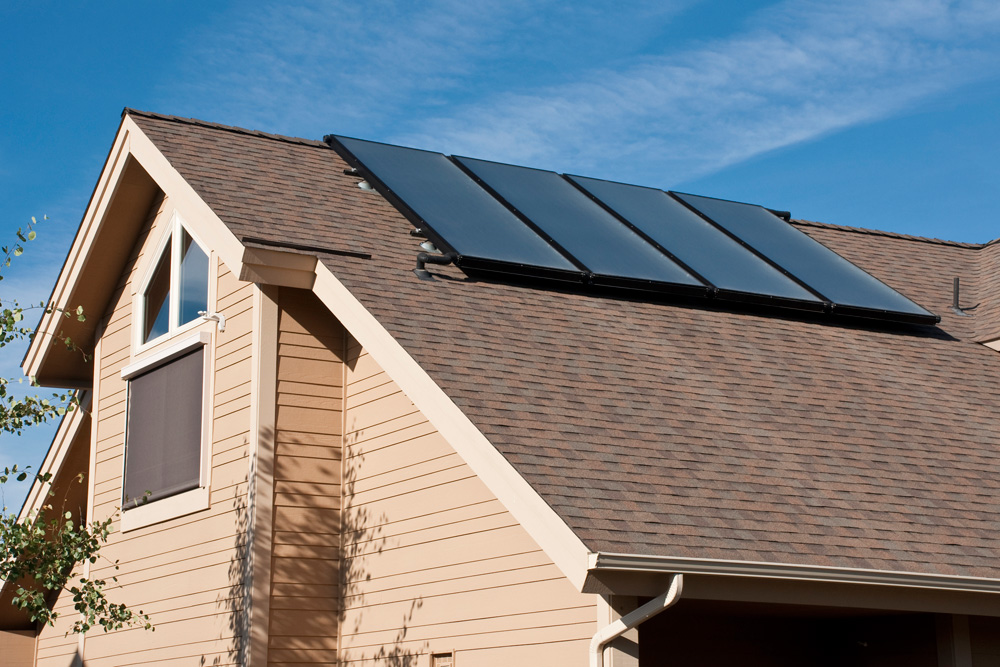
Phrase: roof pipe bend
pixel 647 611
pixel 425 258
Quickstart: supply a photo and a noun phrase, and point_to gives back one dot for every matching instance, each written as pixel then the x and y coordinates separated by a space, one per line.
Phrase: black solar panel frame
pixel 480 265
pixel 518 214
pixel 592 278
pixel 715 291
pixel 830 306
pixel 462 261
pixel 824 304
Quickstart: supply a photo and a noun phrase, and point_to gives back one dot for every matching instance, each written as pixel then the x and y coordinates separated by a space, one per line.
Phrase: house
pixel 321 456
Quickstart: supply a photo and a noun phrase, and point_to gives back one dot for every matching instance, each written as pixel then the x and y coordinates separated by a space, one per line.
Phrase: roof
pixel 661 428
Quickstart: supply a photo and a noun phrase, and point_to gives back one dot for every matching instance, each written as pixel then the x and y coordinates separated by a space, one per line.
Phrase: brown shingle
pixel 665 429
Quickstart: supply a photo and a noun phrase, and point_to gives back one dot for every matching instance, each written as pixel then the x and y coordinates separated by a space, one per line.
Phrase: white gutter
pixel 647 611
pixel 610 562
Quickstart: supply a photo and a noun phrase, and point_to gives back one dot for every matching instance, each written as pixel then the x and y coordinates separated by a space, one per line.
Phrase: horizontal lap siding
pixel 433 562
pixel 186 573
pixel 54 647
pixel 17 648
pixel 305 562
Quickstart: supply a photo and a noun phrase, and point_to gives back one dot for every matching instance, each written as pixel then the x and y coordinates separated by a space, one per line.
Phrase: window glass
pixel 193 279
pixel 163 442
pixel 157 299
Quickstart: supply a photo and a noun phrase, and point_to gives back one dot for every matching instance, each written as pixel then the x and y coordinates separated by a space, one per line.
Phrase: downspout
pixel 614 630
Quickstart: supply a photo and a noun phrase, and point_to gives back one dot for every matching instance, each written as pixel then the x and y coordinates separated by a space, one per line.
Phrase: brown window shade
pixel 163 443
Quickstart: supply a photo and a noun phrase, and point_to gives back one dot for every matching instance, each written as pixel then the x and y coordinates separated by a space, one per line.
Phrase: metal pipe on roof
pixel 614 630
pixel 427 258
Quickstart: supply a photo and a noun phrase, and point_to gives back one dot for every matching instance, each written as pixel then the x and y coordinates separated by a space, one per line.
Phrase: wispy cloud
pixel 800 71
pixel 334 63
pixel 367 67
pixel 583 87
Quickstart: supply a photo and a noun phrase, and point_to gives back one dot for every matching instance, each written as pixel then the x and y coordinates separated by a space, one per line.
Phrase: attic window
pixel 177 289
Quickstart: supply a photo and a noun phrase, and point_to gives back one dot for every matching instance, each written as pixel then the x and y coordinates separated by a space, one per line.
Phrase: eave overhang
pixel 65 460
pixel 634 574
pixel 135 175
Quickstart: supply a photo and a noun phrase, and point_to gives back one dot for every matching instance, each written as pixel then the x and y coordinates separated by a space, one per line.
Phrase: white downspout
pixel 647 611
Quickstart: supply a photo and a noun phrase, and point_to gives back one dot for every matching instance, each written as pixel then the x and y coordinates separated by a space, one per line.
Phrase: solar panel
pixel 505 219
pixel 837 279
pixel 460 212
pixel 595 237
pixel 700 245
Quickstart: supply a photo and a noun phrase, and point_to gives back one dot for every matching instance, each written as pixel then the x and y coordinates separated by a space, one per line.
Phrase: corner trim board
pixel 260 496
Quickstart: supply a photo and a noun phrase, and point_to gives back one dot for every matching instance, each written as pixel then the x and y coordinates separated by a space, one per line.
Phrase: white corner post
pixel 612 631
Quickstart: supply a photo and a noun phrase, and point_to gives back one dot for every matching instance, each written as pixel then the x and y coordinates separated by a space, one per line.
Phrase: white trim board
pixel 62 442
pixel 541 522
pixel 212 233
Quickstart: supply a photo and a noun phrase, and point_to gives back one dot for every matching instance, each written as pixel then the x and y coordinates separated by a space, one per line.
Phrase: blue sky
pixel 872 113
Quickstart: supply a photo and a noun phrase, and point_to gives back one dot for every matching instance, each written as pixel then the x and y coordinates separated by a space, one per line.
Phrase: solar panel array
pixel 502 218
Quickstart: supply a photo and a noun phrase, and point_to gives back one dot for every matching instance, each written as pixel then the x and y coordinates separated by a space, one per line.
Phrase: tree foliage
pixel 42 554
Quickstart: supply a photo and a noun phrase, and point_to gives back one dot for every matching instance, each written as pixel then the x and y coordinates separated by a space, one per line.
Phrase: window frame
pixel 186 502
pixel 173 234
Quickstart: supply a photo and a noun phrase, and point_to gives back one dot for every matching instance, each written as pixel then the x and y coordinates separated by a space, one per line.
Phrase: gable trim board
pixel 66 433
pixel 561 544
pixel 131 144
pixel 71 427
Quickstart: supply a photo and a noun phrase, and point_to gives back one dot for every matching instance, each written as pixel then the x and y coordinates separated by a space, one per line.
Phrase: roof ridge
pixel 322 144
pixel 226 128
pixel 895 235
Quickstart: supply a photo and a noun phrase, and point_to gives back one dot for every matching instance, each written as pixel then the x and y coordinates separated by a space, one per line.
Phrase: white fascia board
pixel 69 428
pixel 614 562
pixel 130 142
pixel 81 248
pixel 197 215
pixel 541 522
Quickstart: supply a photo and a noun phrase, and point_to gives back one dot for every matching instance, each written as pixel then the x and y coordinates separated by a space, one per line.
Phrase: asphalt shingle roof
pixel 668 429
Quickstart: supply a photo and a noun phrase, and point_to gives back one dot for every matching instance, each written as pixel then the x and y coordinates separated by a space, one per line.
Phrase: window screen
pixel 163 443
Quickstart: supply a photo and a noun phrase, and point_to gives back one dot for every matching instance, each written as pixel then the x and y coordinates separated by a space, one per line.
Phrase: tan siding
pixel 17 648
pixel 432 561
pixel 305 563
pixel 187 572
pixel 54 647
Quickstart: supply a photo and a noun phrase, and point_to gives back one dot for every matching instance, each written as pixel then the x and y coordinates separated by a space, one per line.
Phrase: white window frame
pixel 174 233
pixel 194 500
